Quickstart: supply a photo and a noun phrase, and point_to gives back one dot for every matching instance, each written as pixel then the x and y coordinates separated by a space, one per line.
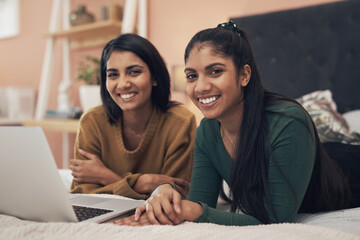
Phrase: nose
pixel 123 82
pixel 202 85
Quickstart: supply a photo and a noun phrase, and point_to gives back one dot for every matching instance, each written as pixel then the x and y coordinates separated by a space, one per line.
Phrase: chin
pixel 209 115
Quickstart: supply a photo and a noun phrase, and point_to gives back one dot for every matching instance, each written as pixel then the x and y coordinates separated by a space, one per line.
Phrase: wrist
pixel 142 184
pixel 191 210
pixel 109 177
pixel 168 183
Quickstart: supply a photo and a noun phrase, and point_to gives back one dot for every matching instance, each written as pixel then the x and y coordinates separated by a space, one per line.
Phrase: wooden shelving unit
pixel 89 35
pixel 59 125
pixel 81 36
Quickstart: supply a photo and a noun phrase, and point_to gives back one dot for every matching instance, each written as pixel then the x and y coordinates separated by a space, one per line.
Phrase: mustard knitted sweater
pixel 166 148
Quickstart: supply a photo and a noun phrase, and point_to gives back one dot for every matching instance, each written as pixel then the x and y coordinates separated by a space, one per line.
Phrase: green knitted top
pixel 293 148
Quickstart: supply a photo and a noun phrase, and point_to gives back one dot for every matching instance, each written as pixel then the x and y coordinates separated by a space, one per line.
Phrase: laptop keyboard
pixel 84 213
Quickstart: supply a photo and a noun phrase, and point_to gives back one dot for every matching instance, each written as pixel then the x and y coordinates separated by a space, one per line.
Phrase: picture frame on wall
pixel 9 18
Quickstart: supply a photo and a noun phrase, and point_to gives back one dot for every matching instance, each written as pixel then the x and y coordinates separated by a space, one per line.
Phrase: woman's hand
pixel 162 207
pixel 92 170
pixel 146 183
pixel 144 220
pixel 130 221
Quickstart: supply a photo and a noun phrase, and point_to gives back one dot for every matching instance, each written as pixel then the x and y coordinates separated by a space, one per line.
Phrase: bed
pixel 311 54
pixel 328 225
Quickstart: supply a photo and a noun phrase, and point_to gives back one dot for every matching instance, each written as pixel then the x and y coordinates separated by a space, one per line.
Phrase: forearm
pixel 144 184
pixel 190 210
pixel 216 216
pixel 123 187
pixel 109 177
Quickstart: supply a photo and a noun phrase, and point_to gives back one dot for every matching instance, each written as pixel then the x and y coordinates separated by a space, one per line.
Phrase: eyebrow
pixel 127 68
pixel 206 68
pixel 133 66
pixel 189 69
pixel 213 65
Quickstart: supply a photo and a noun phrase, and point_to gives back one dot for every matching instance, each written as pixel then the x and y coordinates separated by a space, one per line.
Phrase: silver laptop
pixel 31 187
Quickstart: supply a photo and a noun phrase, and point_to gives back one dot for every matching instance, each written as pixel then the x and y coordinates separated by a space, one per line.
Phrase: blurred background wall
pixel 171 24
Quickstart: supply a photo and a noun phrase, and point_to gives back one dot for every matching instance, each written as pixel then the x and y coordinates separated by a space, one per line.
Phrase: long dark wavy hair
pixel 145 50
pixel 328 188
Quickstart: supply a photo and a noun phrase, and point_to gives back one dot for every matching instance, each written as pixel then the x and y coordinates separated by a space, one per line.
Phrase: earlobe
pixel 154 83
pixel 246 75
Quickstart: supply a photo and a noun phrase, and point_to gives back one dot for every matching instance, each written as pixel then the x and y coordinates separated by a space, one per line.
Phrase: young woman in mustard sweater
pixel 137 139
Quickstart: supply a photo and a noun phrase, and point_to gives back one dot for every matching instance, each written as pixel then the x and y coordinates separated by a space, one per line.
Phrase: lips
pixel 127 95
pixel 208 100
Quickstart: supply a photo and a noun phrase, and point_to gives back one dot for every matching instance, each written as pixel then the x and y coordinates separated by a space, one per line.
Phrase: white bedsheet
pixel 12 228
pixel 333 225
pixel 347 220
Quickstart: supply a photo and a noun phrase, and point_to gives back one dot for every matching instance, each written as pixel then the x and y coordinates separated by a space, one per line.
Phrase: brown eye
pixel 215 72
pixel 191 77
pixel 112 75
pixel 134 73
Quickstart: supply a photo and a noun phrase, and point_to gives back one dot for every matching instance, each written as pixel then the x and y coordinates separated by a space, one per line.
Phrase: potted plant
pixel 90 92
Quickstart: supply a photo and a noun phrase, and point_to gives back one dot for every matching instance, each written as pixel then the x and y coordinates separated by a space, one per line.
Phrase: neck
pixel 137 121
pixel 232 122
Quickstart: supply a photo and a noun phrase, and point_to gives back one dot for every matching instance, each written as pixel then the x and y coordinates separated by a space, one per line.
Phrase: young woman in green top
pixel 264 145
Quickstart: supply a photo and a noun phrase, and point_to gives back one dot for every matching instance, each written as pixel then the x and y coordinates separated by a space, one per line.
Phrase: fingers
pixel 181 190
pixel 75 162
pixel 150 214
pixel 177 202
pixel 127 221
pixel 77 177
pixel 161 207
pixel 86 154
pixel 76 167
pixel 168 210
pixel 139 211
pixel 130 221
pixel 73 166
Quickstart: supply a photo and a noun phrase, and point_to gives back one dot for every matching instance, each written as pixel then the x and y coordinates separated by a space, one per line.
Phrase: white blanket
pixel 342 225
pixel 347 220
pixel 13 228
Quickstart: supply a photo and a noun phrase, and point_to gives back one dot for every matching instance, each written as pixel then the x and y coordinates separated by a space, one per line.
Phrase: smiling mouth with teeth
pixel 126 96
pixel 208 100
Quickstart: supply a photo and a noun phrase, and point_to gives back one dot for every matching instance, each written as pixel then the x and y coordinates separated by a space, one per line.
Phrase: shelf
pixel 10 122
pixel 89 29
pixel 89 35
pixel 60 125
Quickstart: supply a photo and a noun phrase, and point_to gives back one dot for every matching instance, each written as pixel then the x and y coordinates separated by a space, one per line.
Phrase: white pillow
pixel 330 124
pixel 353 120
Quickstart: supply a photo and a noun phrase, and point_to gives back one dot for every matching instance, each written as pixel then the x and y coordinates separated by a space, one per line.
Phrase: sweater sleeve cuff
pixel 204 216
pixel 124 187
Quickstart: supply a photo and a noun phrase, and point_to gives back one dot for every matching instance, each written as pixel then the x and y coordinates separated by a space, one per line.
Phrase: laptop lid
pixel 30 185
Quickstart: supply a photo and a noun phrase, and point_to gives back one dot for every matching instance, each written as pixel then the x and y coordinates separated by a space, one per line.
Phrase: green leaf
pixel 89 73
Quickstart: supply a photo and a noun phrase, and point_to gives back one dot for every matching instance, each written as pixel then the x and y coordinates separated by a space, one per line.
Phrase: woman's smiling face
pixel 129 81
pixel 213 83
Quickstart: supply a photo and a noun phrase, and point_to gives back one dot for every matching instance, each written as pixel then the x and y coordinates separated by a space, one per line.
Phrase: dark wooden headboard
pixel 308 49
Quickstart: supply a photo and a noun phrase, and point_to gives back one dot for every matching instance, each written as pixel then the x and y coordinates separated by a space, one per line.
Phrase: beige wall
pixel 171 25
